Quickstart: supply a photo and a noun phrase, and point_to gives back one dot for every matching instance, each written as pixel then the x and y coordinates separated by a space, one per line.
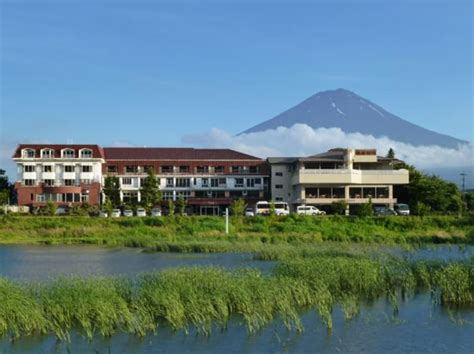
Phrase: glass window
pixel 239 182
pixel 68 153
pixel 131 169
pixel 279 186
pixel 169 182
pixel 47 168
pixel 219 169
pixel 167 169
pixel 183 169
pixel 205 182
pixel 279 174
pixel 126 180
pixel 69 182
pixel 86 168
pixel 29 153
pixel 29 168
pixel 29 182
pixel 202 169
pixel 86 153
pixel 183 182
pixel 47 154
pixel 68 168
pixel 49 182
pixel 111 169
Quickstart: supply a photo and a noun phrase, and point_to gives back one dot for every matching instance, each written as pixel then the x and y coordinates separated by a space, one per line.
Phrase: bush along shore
pixel 206 234
pixel 203 298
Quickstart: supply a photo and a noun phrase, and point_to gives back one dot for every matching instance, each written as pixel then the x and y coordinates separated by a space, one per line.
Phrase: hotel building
pixel 354 176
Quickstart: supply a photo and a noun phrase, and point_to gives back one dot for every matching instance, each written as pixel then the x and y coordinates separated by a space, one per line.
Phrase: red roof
pixel 97 151
pixel 144 153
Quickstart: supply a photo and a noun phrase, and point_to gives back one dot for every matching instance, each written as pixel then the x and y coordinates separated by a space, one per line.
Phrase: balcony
pixel 322 201
pixel 346 176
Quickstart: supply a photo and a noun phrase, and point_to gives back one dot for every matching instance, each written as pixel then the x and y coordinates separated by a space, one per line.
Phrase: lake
pixel 420 325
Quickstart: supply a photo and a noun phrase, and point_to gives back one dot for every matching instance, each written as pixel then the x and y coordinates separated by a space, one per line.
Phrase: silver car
pixel 141 212
pixel 127 212
pixel 115 213
pixel 103 214
pixel 156 212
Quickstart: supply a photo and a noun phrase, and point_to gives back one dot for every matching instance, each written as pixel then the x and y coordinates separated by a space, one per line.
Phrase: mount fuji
pixel 355 114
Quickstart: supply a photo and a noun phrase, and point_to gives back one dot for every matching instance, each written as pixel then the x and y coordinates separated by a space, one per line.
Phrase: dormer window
pixel 28 153
pixel 68 153
pixel 86 153
pixel 47 153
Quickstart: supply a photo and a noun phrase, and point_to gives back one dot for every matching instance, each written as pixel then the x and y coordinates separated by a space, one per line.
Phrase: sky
pixel 147 73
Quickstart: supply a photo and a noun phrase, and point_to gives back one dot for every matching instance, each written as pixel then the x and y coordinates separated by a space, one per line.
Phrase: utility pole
pixel 463 176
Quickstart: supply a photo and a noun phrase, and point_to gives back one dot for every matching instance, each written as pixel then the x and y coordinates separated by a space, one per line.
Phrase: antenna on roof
pixel 69 141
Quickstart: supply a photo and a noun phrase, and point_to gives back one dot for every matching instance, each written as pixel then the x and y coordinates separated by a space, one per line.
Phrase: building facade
pixel 209 179
pixel 354 176
pixel 63 174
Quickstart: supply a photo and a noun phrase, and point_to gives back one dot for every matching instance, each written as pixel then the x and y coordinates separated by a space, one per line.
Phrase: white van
pixel 309 210
pixel 263 208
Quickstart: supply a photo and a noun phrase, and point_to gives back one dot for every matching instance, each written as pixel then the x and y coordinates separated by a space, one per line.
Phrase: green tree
pixel 391 153
pixel 469 200
pixel 51 208
pixel 171 207
pixel 112 190
pixel 432 191
pixel 365 209
pixel 108 206
pixel 339 208
pixel 238 207
pixel 7 189
pixel 272 208
pixel 182 203
pixel 150 190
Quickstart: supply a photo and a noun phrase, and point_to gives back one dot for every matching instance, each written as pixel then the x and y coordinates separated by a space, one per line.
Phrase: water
pixel 420 326
pixel 49 262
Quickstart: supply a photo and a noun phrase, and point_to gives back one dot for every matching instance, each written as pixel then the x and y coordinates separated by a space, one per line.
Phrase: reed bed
pixel 203 297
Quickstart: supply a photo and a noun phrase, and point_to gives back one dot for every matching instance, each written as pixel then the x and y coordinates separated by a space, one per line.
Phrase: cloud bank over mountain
pixel 301 140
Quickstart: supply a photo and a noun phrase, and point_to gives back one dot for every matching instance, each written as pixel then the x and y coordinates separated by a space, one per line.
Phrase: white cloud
pixel 302 140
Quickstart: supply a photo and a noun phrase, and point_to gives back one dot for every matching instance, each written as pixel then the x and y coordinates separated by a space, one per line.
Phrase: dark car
pixel 383 211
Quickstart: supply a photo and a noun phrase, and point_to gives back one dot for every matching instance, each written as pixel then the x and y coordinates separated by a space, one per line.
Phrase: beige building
pixel 351 175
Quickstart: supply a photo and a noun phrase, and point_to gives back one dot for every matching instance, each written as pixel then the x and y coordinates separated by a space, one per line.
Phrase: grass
pixel 206 234
pixel 200 297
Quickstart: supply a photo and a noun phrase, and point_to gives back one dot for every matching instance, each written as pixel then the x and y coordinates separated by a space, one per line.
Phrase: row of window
pixel 183 169
pixel 49 168
pixel 205 182
pixel 354 192
pixel 52 182
pixel 61 197
pixel 50 153
pixel 132 197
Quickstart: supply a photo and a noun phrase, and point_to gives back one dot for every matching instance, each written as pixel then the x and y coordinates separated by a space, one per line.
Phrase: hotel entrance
pixel 209 210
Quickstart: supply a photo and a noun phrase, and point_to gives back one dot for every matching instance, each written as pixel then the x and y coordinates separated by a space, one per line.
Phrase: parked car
pixel 60 211
pixel 383 211
pixel 127 212
pixel 141 212
pixel 103 214
pixel 402 209
pixel 115 213
pixel 249 212
pixel 309 210
pixel 156 212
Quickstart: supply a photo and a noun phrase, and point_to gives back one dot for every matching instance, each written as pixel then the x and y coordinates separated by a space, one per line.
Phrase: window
pixel 29 182
pixel 29 168
pixel 169 182
pixel 258 180
pixel 236 169
pixel 250 182
pixel 214 182
pixel 219 169
pixel 28 153
pixel 68 153
pixel 40 198
pixel 239 182
pixel 69 168
pixel 49 182
pixel 86 168
pixel 47 153
pixel 130 197
pixel 253 169
pixel 147 168
pixel 183 169
pixel 183 194
pixel 202 169
pixel 183 182
pixel 166 169
pixel 86 153
pixel 205 182
pixel 131 169
pixel 112 169
pixel 47 168
pixel 279 186
pixel 126 180
pixel 279 199
pixel 84 198
pixel 69 182
pixel 279 174
pixel 167 195
pixel 222 181
pixel 86 182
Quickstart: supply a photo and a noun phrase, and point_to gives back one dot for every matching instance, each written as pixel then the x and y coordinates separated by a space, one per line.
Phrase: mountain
pixel 354 114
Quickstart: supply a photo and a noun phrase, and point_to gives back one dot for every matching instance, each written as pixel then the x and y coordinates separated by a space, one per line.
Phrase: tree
pixel 339 208
pixel 238 207
pixel 272 208
pixel 171 207
pixel 469 200
pixel 391 153
pixel 150 190
pixel 435 194
pixel 7 189
pixel 51 208
pixel 365 209
pixel 182 203
pixel 112 190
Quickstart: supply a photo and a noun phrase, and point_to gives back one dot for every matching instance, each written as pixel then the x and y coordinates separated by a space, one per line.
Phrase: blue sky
pixel 148 73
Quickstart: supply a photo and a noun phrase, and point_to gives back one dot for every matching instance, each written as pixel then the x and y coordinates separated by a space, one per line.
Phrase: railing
pixel 354 172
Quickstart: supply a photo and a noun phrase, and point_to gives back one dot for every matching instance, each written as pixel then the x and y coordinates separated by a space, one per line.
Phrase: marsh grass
pixel 200 297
